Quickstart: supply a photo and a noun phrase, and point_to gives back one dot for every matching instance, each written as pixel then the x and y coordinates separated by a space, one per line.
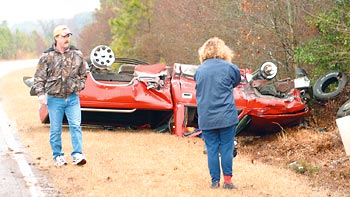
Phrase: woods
pixel 292 33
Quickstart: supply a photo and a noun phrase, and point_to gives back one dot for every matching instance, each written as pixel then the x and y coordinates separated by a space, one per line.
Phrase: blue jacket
pixel 215 80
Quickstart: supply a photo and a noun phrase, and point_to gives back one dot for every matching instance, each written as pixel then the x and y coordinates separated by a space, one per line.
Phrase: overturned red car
pixel 161 97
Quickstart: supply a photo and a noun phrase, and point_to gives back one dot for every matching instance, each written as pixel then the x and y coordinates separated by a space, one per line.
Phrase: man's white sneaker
pixel 60 161
pixel 79 159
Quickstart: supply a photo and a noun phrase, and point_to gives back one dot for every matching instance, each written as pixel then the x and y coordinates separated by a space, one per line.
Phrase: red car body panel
pixel 268 113
pixel 171 99
pixel 135 95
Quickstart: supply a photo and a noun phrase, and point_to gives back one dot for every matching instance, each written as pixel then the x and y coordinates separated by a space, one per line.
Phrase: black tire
pixel 344 110
pixel 332 77
pixel 235 152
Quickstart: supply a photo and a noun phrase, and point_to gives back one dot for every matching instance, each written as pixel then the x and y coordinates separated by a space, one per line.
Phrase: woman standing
pixel 215 79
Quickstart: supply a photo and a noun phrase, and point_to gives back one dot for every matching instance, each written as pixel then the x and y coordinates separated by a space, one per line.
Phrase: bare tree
pixel 47 30
pixel 172 31
pixel 99 32
pixel 279 26
pixel 178 28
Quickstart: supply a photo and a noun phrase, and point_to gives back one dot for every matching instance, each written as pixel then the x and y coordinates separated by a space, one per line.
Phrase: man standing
pixel 59 77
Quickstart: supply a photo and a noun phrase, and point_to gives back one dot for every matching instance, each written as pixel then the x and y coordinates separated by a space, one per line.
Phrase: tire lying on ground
pixel 322 85
pixel 344 110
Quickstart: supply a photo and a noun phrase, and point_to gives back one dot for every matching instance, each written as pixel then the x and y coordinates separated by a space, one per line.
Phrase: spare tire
pixel 320 89
pixel 344 110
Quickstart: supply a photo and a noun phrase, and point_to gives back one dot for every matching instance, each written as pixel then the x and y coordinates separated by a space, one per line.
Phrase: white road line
pixel 7 129
pixel 18 156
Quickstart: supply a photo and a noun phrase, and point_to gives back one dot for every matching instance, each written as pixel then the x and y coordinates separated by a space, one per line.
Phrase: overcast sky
pixel 16 11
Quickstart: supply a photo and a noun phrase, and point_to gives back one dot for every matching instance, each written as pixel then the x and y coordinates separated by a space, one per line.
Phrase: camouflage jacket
pixel 60 74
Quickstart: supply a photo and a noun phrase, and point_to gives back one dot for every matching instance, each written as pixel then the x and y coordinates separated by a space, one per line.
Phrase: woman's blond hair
pixel 215 48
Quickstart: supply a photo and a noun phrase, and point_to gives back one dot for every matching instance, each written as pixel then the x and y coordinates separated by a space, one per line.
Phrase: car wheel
pixel 234 153
pixel 344 110
pixel 324 87
pixel 102 57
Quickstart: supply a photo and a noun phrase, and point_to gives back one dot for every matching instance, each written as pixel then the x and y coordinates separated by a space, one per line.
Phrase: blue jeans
pixel 219 141
pixel 71 108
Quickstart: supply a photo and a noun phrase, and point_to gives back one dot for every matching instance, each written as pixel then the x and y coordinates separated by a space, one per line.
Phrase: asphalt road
pixel 18 178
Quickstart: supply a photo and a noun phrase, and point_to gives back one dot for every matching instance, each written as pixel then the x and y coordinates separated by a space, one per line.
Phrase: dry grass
pixel 140 163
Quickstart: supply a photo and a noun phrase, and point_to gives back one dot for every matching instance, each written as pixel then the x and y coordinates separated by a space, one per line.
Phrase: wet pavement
pixel 11 183
pixel 18 177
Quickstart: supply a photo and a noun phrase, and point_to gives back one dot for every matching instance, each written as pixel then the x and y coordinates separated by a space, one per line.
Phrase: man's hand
pixel 42 99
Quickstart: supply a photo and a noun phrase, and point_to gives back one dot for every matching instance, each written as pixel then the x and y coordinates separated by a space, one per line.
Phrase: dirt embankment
pixel 313 149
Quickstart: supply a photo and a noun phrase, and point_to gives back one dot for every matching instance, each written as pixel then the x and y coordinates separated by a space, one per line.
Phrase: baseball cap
pixel 62 30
